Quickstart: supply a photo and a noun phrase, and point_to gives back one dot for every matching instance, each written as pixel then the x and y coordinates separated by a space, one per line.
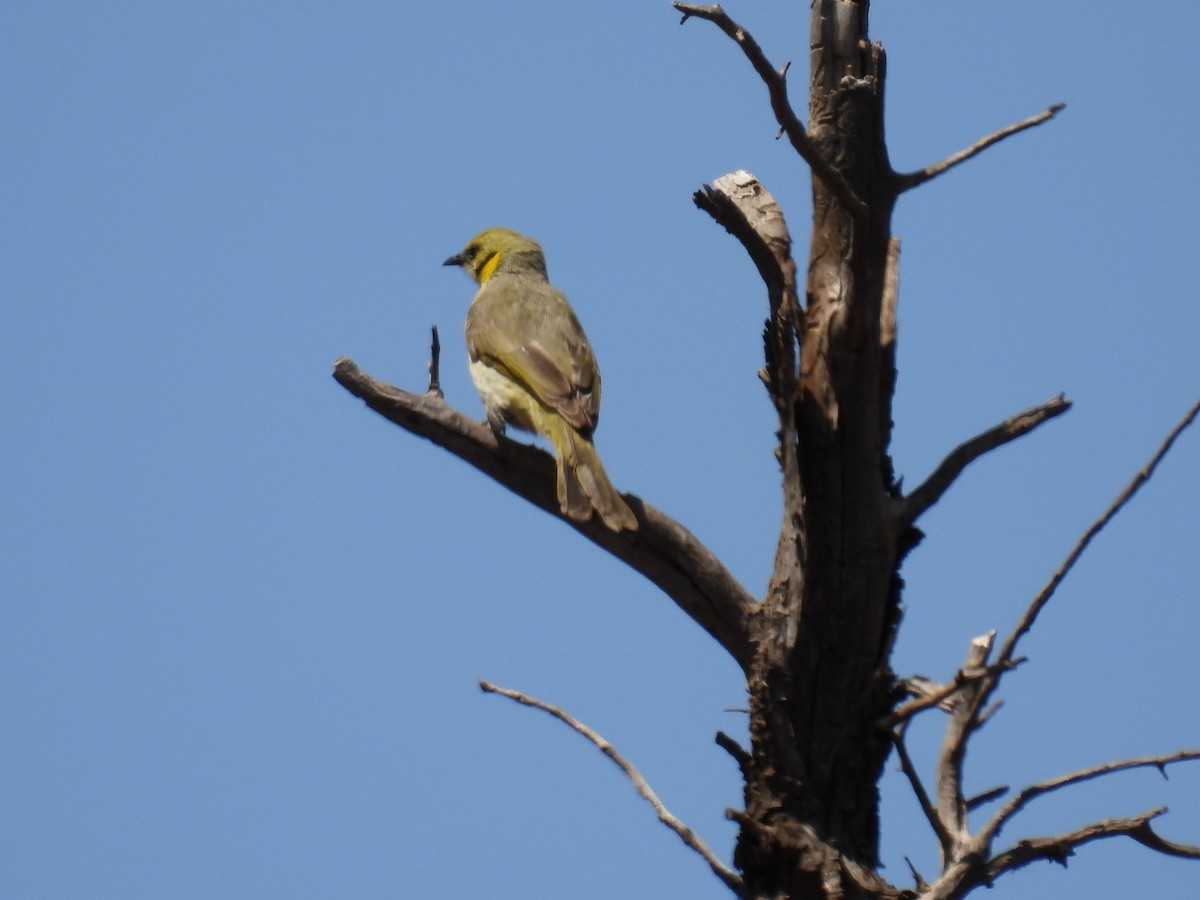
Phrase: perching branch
pixel 913 179
pixel 661 549
pixel 925 496
pixel 1043 597
pixel 689 837
pixel 784 114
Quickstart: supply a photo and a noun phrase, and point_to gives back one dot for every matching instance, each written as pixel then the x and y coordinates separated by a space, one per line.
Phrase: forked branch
pixel 910 180
pixel 686 834
pixel 968 859
pixel 1023 798
pixel 944 695
pixel 951 801
pixel 661 549
pixel 945 838
pixel 1061 847
pixel 776 82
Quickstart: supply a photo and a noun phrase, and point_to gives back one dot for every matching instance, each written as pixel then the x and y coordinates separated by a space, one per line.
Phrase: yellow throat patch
pixel 489 268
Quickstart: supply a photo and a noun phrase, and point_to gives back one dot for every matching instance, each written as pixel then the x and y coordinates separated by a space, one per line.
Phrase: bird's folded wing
pixel 500 337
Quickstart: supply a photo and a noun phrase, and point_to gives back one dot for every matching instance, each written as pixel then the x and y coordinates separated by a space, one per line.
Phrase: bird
pixel 535 370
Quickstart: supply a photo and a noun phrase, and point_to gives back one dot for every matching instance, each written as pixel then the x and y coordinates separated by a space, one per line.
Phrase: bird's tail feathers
pixel 583 485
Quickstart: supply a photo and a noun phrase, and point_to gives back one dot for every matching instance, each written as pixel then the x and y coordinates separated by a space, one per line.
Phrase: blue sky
pixel 244 617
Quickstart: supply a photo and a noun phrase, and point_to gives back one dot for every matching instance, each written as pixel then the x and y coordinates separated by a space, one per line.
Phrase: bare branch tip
pixel 979 800
pixel 734 749
pixel 435 365
pixel 920 882
pixel 702 12
pixel 685 834
pixel 914 179
pixel 932 489
pixel 1143 475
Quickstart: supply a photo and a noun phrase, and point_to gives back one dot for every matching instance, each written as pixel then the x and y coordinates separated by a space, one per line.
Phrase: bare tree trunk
pixel 820 680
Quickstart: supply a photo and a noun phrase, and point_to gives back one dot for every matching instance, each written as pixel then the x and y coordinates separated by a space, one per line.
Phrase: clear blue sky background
pixel 243 617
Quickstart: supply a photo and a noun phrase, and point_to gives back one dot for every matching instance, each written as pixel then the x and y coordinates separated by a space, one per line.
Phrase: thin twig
pixel 910 180
pixel 973 803
pixel 1017 803
pixel 932 489
pixel 689 837
pixel 920 882
pixel 776 84
pixel 734 749
pixel 1039 602
pixel 922 795
pixel 435 365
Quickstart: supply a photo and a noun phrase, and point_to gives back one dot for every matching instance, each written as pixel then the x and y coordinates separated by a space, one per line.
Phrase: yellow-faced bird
pixel 535 370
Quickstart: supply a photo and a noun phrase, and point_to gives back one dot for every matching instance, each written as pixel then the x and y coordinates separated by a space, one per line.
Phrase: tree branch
pixel 964 868
pixel 942 695
pixel 784 114
pixel 1043 597
pixel 739 753
pixel 740 204
pixel 661 549
pixel 1062 847
pixel 925 496
pixel 910 180
pixel 747 210
pixel 945 838
pixel 951 803
pixel 1017 803
pixel 686 834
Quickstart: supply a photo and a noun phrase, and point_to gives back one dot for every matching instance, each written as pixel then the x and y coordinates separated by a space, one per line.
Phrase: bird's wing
pixel 526 329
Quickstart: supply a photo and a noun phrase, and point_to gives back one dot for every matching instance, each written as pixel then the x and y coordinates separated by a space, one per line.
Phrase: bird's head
pixel 500 250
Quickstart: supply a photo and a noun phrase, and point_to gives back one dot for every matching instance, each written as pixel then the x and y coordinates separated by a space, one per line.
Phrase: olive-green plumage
pixel 534 367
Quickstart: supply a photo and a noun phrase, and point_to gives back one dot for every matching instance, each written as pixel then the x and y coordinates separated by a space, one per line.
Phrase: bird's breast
pixel 505 398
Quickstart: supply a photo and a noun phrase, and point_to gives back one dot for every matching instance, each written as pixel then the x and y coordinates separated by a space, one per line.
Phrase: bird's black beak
pixel 455 260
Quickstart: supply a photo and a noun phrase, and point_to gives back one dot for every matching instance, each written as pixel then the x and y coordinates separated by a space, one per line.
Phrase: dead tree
pixel 826 710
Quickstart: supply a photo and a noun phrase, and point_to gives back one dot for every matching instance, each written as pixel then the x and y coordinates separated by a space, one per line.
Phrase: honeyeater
pixel 535 369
